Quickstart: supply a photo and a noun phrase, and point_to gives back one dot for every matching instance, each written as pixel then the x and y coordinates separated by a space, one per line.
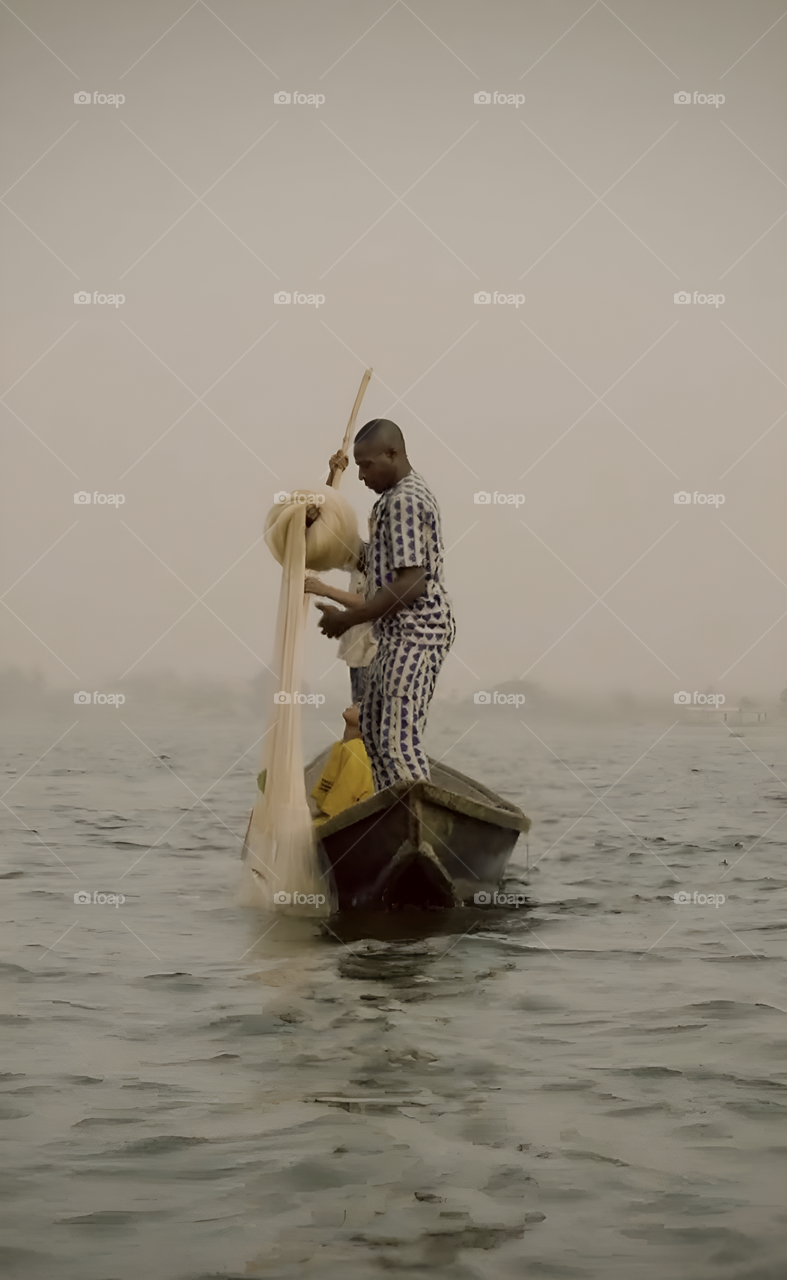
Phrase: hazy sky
pixel 397 199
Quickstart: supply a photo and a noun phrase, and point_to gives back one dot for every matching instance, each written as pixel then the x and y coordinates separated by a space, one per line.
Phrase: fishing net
pixel 282 869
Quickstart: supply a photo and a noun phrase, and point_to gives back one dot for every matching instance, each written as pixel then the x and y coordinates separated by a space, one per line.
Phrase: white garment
pixel 281 867
pixel 358 646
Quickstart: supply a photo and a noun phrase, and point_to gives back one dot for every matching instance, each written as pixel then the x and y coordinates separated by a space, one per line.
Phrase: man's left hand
pixel 334 622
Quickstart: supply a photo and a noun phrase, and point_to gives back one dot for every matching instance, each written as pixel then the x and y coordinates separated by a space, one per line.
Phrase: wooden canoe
pixel 430 845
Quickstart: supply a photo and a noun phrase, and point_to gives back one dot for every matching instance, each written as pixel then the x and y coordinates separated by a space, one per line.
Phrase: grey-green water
pixel 596 1088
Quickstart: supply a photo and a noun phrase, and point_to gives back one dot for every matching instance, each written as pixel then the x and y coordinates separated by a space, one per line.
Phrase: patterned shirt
pixel 404 532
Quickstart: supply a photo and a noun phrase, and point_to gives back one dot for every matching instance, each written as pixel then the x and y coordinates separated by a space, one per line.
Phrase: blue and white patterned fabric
pixel 400 682
pixel 404 532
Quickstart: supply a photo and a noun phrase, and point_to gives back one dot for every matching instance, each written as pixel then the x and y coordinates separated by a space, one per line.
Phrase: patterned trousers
pixel 400 682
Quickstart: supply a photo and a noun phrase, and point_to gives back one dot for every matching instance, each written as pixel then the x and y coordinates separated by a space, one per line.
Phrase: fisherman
pixel 406 599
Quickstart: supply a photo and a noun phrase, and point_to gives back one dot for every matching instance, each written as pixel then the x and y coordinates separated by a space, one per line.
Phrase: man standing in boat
pixel 407 602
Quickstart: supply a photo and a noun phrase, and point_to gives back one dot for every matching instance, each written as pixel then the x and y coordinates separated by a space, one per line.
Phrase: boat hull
pixel 426 845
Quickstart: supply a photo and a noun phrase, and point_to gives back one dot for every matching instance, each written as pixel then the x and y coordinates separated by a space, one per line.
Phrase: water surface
pixel 593 1088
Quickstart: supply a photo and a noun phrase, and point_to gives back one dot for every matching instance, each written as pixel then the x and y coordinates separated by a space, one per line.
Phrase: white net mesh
pixel 281 869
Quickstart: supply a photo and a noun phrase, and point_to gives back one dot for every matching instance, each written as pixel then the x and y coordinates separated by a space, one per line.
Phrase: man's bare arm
pixel 408 585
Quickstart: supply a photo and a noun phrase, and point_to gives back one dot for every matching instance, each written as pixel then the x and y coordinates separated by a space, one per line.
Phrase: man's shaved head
pixel 382 433
pixel 381 455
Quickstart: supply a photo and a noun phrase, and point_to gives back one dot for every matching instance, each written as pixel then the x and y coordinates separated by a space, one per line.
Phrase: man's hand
pixel 334 622
pixel 337 464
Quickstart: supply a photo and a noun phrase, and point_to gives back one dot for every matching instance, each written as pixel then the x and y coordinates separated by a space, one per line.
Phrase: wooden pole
pixel 336 472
